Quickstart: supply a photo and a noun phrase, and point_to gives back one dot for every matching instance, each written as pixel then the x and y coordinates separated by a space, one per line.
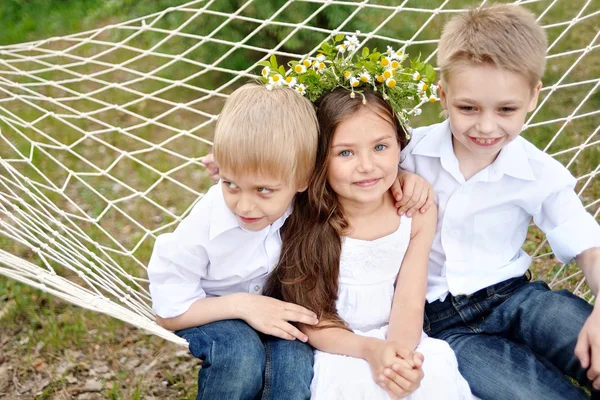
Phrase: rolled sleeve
pixel 573 237
pixel 569 228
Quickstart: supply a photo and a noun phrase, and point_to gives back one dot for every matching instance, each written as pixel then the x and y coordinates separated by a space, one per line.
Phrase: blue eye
pixel 264 190
pixel 346 153
pixel 380 147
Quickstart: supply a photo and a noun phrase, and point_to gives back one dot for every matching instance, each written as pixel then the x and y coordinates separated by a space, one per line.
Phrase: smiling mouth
pixel 248 220
pixel 485 142
pixel 367 182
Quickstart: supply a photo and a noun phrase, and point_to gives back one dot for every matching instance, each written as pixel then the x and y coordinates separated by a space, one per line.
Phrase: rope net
pixel 101 132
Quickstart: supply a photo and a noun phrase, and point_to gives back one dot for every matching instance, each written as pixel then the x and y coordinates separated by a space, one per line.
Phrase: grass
pixel 42 332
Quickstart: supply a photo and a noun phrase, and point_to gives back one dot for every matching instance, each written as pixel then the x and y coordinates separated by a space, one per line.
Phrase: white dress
pixel 368 271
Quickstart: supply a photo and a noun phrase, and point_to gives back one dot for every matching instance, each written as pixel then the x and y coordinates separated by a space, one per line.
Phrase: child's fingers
pixel 299 317
pixel 413 375
pixel 289 332
pixel 300 314
pixel 396 384
pixel 430 201
pixel 582 350
pixel 418 359
pixel 397 190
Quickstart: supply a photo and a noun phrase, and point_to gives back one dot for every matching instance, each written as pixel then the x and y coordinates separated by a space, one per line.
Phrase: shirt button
pixel 256 288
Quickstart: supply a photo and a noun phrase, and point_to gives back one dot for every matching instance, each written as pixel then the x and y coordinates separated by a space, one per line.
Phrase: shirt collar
pixel 512 160
pixel 223 220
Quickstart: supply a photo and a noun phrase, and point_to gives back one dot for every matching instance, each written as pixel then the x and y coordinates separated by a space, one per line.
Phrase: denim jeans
pixel 514 340
pixel 241 363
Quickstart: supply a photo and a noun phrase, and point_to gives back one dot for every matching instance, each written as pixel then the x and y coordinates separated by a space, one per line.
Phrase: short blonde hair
pixel 503 35
pixel 272 132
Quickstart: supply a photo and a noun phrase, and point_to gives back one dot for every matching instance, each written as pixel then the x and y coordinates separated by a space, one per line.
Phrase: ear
pixel 534 97
pixel 443 98
pixel 302 189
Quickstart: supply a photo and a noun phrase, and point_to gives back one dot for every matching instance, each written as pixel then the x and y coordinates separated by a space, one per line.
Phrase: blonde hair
pixel 505 36
pixel 272 132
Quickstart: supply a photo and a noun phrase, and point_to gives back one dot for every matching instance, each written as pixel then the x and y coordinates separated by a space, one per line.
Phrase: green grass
pixel 29 317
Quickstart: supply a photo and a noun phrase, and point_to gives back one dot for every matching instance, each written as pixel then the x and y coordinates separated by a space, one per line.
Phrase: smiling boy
pixel 514 339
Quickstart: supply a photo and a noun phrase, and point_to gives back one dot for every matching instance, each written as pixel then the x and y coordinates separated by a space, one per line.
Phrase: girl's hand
pixel 272 317
pixel 395 368
pixel 412 193
pixel 212 167
pixel 402 380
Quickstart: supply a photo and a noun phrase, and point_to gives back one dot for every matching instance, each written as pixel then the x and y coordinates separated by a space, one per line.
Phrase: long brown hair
pixel 308 270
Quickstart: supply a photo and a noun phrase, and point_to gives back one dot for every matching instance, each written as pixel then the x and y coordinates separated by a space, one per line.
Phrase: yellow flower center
pixel 391 83
pixel 399 53
pixel 306 63
pixel 385 61
pixel 424 87
pixel 298 68
pixel 289 79
pixel 395 64
pixel 347 74
pixel 364 78
pixel 379 78
pixel 265 71
pixel 432 99
pixel 355 83
pixel 275 78
pixel 321 65
pixel 387 74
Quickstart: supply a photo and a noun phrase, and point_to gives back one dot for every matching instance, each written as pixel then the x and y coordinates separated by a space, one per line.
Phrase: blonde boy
pixel 514 339
pixel 206 277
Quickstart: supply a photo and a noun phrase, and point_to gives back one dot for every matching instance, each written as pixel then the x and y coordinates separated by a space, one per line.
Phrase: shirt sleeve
pixel 179 262
pixel 570 229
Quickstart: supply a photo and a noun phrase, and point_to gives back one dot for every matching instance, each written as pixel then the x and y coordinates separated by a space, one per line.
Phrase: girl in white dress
pixel 350 258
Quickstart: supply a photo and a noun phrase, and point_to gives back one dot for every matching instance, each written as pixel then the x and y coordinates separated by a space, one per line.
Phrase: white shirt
pixel 483 222
pixel 208 255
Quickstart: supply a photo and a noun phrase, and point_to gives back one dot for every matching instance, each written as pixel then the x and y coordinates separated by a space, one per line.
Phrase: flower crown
pixel 338 64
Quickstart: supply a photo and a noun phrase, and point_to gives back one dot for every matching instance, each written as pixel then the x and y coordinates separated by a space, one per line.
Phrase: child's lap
pixel 342 377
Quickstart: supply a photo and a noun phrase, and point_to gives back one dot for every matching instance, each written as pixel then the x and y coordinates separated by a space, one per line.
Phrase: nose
pixel 486 124
pixel 366 163
pixel 245 205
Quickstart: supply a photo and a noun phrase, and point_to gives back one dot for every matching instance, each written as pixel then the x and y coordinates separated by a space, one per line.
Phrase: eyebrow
pixel 502 103
pixel 384 137
pixel 255 186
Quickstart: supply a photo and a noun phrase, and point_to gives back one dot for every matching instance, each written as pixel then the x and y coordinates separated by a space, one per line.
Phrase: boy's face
pixel 256 200
pixel 487 107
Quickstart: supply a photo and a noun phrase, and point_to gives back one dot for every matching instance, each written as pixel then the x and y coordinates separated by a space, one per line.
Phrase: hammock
pixel 101 132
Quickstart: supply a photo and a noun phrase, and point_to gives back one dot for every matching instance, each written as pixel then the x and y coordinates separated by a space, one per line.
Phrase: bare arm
pixel 265 314
pixel 406 319
pixel 589 262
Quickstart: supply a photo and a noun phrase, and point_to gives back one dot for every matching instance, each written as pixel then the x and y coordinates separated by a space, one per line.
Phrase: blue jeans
pixel 241 363
pixel 514 340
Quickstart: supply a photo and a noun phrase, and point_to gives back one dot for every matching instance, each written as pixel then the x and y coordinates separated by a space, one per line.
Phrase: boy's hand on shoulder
pixel 211 166
pixel 587 349
pixel 272 317
pixel 395 368
pixel 412 194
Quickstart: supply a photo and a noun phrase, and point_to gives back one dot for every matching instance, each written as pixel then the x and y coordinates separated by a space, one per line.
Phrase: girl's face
pixel 363 158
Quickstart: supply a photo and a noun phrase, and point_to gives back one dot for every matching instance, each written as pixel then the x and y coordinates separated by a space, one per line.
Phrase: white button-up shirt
pixel 209 255
pixel 483 222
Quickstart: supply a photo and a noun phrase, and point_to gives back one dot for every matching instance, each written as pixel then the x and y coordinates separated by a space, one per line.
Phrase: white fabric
pixel 368 271
pixel 209 255
pixel 483 222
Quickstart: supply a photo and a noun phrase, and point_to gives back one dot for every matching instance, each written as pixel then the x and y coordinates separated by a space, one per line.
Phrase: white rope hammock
pixel 101 132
